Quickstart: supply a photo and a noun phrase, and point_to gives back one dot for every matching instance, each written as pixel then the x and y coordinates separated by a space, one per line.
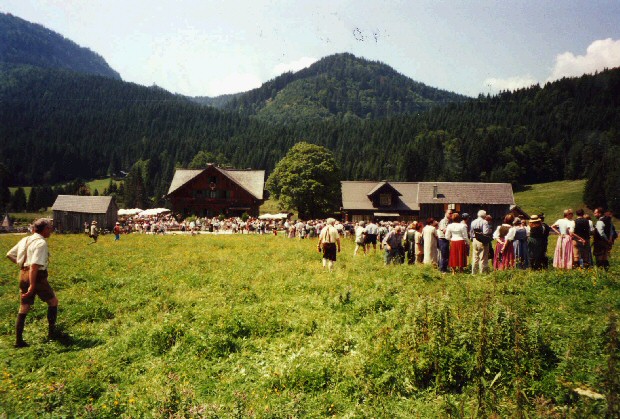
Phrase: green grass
pixel 552 198
pixel 100 185
pixel 251 326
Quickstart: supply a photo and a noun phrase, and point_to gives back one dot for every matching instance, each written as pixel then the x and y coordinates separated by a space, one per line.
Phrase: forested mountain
pixel 59 125
pixel 22 42
pixel 339 85
pixel 86 126
pixel 218 102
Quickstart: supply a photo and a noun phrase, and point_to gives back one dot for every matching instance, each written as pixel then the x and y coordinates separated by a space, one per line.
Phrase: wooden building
pixel 72 211
pixel 214 190
pixel 421 200
pixel 465 197
pixel 363 200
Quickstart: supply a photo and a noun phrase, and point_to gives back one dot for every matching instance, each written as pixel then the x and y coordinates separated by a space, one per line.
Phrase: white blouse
pixel 509 236
pixel 565 225
pixel 457 231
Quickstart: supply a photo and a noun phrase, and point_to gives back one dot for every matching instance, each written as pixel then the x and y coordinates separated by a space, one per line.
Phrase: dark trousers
pixel 444 254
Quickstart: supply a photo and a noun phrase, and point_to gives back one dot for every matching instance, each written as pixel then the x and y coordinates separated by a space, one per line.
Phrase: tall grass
pixel 251 326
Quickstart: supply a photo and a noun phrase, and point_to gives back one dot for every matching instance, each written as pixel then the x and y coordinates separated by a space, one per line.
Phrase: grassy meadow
pixel 251 326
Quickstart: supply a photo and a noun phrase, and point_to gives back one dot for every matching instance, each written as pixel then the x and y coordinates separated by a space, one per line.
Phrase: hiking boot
pixel 21 344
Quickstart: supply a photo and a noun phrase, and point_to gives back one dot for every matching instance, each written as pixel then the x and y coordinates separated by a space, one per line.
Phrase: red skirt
pixel 458 254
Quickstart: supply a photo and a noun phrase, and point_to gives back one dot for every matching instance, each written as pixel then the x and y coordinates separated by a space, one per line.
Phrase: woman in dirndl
pixel 564 227
pixel 504 235
pixel 457 233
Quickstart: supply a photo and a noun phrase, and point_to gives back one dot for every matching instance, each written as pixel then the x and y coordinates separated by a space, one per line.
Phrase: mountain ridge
pixel 27 43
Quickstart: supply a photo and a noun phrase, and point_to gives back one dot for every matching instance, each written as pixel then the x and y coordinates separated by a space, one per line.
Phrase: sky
pixel 213 47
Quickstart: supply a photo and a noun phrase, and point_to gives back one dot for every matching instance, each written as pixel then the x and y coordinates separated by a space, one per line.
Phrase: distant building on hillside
pixel 363 200
pixel 72 211
pixel 214 190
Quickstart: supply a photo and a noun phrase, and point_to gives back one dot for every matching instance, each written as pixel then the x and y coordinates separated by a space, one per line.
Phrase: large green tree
pixel 307 179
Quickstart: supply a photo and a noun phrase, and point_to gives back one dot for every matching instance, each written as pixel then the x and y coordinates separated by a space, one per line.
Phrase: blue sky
pixel 207 48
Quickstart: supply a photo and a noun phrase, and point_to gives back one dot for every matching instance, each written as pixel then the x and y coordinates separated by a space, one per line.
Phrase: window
pixel 212 194
pixel 385 199
pixel 213 179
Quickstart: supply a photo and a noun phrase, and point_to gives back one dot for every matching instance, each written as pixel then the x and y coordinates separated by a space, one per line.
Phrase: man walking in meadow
pixel 328 239
pixel 31 254
pixel 94 232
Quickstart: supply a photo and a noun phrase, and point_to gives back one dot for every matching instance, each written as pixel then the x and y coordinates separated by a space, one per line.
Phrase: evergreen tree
pixel 5 192
pixel 18 202
pixel 33 204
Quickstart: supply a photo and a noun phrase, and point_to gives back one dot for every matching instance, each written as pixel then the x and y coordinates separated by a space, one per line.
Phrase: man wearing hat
pixel 328 239
pixel 94 232
pixel 32 256
pixel 117 231
pixel 536 243
pixel 481 233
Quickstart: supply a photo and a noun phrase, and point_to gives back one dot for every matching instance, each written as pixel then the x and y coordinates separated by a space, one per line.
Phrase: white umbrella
pixel 153 211
pixel 132 211
pixel 265 217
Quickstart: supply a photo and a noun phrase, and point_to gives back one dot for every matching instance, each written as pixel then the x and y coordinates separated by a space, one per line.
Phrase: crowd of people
pixel 456 243
pixel 453 244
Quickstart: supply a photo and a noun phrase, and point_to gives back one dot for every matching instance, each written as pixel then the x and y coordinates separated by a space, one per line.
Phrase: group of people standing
pixel 452 242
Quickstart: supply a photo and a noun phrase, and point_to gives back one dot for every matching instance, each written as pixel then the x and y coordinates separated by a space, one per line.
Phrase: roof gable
pixel 252 181
pixel 383 187
pixel 355 195
pixel 83 204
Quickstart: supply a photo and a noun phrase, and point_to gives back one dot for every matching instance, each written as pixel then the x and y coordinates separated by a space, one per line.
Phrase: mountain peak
pixel 338 85
pixel 26 43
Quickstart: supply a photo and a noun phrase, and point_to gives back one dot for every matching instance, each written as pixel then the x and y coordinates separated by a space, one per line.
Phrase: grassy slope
pixel 552 198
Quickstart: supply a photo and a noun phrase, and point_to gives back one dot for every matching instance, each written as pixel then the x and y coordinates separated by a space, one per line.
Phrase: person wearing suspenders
pixel 328 239
pixel 32 256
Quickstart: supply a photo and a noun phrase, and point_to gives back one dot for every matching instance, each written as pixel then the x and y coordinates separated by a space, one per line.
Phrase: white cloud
pixel 495 85
pixel 293 66
pixel 601 54
pixel 234 83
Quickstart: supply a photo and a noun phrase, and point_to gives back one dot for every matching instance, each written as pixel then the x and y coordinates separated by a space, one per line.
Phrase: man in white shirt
pixel 372 231
pixel 328 239
pixel 31 254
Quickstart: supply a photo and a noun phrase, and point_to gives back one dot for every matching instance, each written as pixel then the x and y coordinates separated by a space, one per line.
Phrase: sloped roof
pixel 181 177
pixel 355 195
pixel 466 193
pixel 83 204
pixel 252 181
pixel 382 185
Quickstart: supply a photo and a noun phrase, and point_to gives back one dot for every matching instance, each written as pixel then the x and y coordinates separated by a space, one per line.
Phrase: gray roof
pixel 252 181
pixel 355 195
pixel 84 204
pixel 181 177
pixel 466 193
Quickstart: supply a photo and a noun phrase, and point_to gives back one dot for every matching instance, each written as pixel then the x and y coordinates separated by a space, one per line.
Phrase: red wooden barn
pixel 214 190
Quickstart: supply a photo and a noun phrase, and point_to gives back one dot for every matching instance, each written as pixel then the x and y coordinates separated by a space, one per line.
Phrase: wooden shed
pixel 72 211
